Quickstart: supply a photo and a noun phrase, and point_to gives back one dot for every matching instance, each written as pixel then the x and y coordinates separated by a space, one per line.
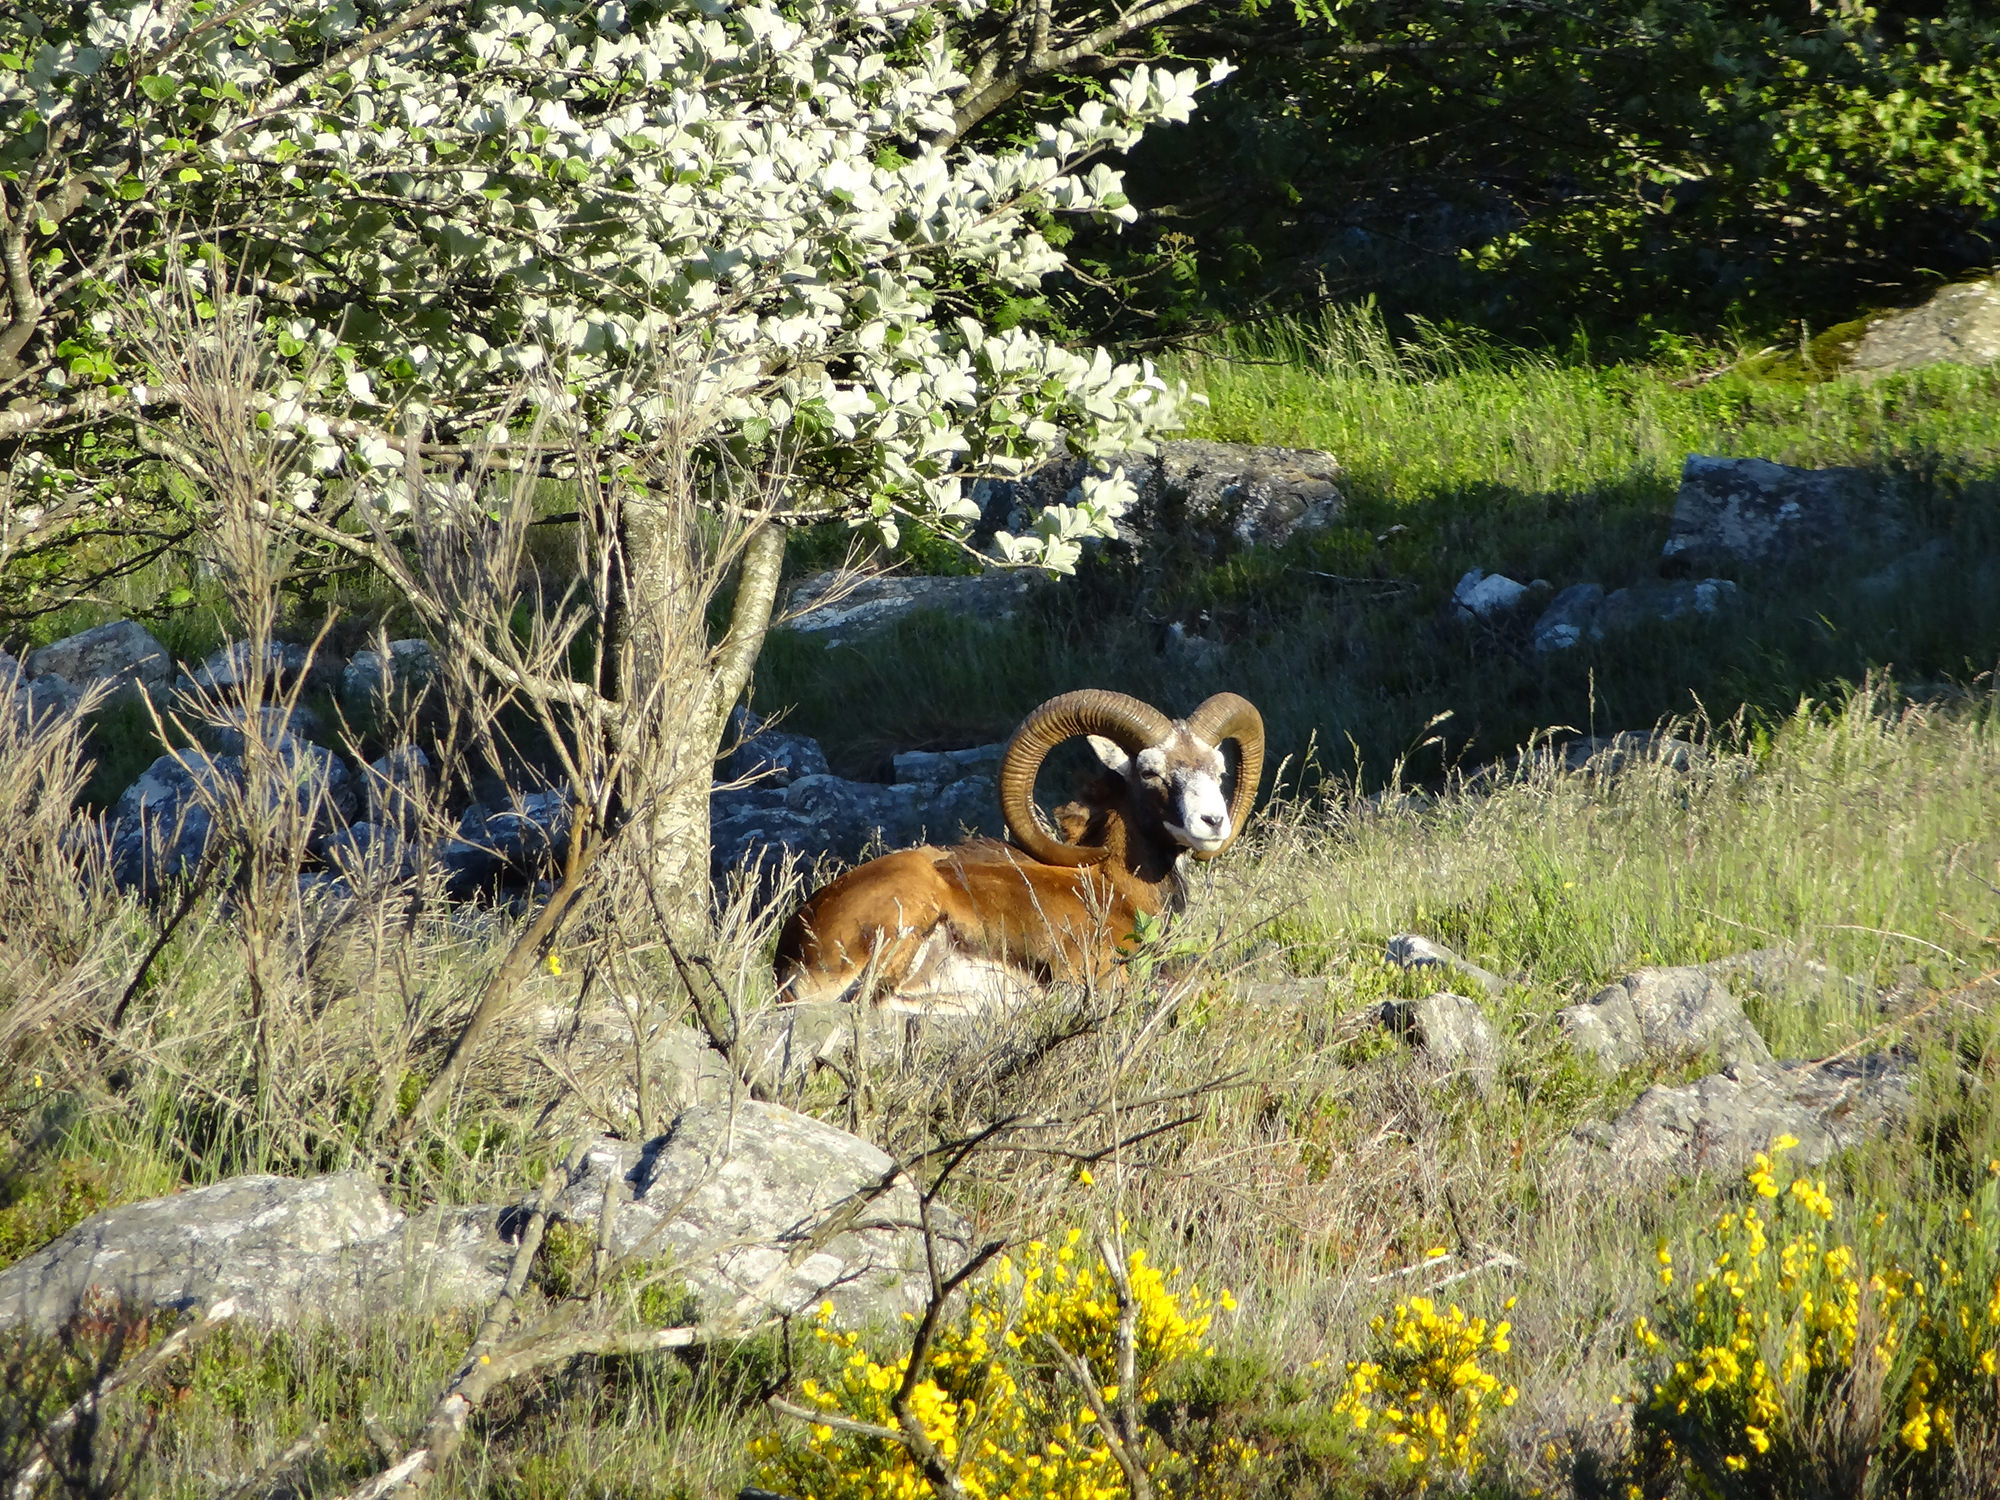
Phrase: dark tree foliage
pixel 1523 164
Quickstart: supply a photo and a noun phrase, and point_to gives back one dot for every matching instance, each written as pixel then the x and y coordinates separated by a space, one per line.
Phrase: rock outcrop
pixel 759 1210
pixel 1718 1122
pixel 122 653
pixel 1210 495
pixel 1667 1014
pixel 1959 325
pixel 1752 510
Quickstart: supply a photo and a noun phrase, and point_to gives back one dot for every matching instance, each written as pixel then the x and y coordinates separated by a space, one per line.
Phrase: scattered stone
pixel 286 1251
pixel 1959 325
pixel 942 767
pixel 1409 950
pixel 122 652
pixel 1717 1123
pixel 764 757
pixel 1452 1031
pixel 1665 1014
pixel 1569 617
pixel 736 1199
pixel 1752 510
pixel 1487 596
pixel 409 664
pixel 873 603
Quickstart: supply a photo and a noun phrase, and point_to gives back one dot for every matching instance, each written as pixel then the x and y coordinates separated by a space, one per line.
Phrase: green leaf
pixel 131 189
pixel 159 87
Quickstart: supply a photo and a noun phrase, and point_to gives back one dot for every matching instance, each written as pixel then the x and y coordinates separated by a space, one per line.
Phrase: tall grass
pixel 1315 1181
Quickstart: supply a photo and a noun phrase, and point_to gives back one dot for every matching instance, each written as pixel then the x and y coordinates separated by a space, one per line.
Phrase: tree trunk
pixel 679 688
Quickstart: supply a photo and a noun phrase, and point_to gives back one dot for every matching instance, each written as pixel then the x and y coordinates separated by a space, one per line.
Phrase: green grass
pixel 1533 468
pixel 1860 832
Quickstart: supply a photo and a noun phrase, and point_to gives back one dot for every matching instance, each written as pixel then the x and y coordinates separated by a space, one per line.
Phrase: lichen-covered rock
pixel 163 822
pixel 1718 1122
pixel 408 665
pixel 286 1250
pixel 270 723
pixel 1752 510
pixel 230 670
pixel 829 817
pixel 765 757
pixel 1570 617
pixel 1959 325
pixel 1411 950
pixel 1663 1014
pixel 943 767
pixel 1452 1031
pixel 1209 494
pixel 822 607
pixel 761 1210
pixel 1258 496
pixel 123 653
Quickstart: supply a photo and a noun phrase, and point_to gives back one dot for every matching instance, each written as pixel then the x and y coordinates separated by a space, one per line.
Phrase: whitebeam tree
pixel 714 243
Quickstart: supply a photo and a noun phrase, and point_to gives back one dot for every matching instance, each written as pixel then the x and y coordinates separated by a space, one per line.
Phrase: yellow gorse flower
pixel 1773 1330
pixel 1426 1395
pixel 994 1400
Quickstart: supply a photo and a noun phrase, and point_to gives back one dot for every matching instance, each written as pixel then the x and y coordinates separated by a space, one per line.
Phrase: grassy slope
pixel 1564 472
pixel 1865 833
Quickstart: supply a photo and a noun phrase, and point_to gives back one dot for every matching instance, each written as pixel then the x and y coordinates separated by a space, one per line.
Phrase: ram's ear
pixel 1110 754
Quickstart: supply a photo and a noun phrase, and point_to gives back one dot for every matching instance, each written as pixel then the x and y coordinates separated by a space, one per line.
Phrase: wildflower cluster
pixel 1426 1395
pixel 1787 1321
pixel 1000 1399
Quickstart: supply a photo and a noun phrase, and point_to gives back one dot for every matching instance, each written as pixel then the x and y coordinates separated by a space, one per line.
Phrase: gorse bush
pixel 1803 1357
pixel 1426 1395
pixel 1017 1391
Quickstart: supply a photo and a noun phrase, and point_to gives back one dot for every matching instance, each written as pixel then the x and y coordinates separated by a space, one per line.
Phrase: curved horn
pixel 1227 716
pixel 1131 724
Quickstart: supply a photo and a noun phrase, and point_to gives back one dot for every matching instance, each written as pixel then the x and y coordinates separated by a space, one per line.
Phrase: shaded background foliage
pixel 1527 166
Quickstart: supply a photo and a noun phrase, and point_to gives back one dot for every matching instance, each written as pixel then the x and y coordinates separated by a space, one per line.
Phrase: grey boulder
pixel 1452 1031
pixel 1487 596
pixel 229 672
pixel 163 822
pixel 763 1211
pixel 829 817
pixel 285 1250
pixel 1570 617
pixel 1665 1014
pixel 827 606
pixel 1753 510
pixel 943 767
pixel 760 756
pixel 407 664
pixel 1411 950
pixel 1209 494
pixel 1959 325
pixel 1718 1122
pixel 123 653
